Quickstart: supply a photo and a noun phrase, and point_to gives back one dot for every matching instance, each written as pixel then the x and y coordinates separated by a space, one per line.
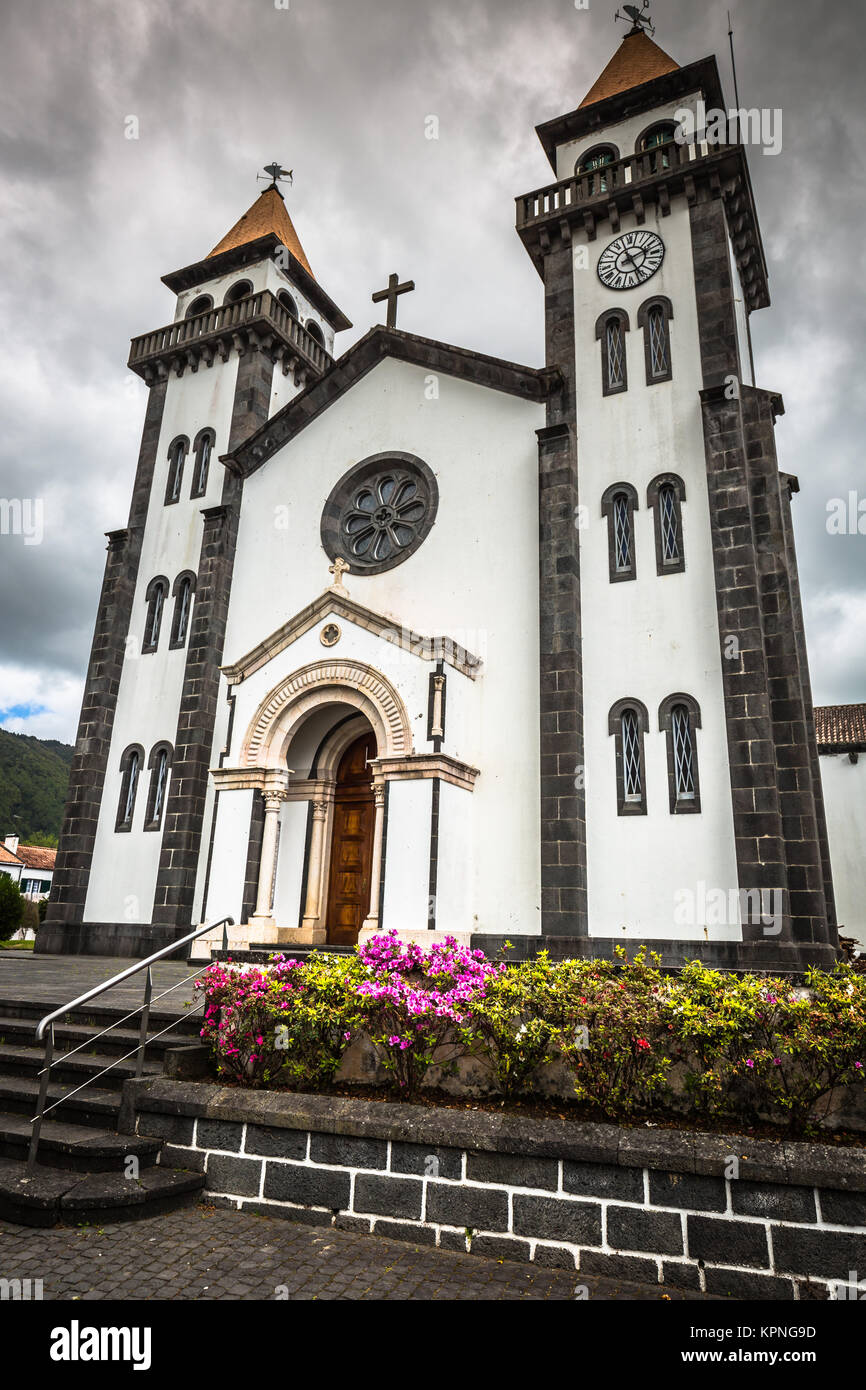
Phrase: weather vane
pixel 640 20
pixel 277 173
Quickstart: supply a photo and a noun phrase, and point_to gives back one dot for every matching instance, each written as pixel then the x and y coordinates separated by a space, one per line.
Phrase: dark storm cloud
pixel 341 91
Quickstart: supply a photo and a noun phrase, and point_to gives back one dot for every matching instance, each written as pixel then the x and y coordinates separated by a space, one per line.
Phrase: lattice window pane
pixel 155 623
pixel 177 472
pixel 631 757
pixel 615 355
pixel 669 523
pixel 161 779
pixel 658 342
pixel 131 784
pixel 621 532
pixel 684 768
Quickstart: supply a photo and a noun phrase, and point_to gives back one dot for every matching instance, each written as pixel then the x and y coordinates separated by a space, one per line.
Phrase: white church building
pixel 412 637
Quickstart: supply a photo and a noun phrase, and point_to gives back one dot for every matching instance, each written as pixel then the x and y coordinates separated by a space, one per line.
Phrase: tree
pixel 11 907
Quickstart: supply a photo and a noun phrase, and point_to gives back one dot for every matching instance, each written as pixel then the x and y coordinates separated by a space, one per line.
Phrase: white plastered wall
pixel 123 874
pixel 656 635
pixel 844 786
pixel 473 579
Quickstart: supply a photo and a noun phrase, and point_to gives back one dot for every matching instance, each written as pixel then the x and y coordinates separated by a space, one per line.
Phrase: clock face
pixel 630 260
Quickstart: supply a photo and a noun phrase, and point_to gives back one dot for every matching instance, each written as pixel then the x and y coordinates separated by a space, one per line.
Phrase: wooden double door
pixel 351 861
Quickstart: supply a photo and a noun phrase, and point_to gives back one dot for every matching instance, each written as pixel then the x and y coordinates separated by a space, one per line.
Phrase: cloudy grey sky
pixel 340 90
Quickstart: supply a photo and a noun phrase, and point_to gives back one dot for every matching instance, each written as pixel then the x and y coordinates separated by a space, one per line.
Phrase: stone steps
pixel 84 1173
pixel 15 1032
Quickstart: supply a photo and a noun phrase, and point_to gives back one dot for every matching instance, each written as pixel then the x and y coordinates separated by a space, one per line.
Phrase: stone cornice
pixel 530 383
pixel 582 203
pixel 267 780
pixel 426 765
pixel 331 602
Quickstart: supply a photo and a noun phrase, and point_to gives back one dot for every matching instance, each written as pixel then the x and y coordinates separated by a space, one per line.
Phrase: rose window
pixel 380 512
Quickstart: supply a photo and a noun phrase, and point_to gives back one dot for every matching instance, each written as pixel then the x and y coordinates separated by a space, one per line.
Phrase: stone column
pixel 371 921
pixel 313 906
pixel 273 802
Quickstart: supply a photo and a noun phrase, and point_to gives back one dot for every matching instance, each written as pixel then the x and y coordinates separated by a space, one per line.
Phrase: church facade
pixel 416 638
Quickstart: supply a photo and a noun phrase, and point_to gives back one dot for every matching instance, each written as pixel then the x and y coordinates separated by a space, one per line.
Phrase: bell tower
pixel 681 797
pixel 251 328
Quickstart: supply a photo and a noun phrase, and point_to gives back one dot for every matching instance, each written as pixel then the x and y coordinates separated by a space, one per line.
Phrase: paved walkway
pixel 207 1253
pixel 55 980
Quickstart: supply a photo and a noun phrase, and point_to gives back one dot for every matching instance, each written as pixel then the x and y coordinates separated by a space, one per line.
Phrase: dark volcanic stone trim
pixel 93 740
pixel 181 842
pixel 254 856
pixel 563 797
pixel 790 693
pixel 608 498
pixel 789 484
pixel 374 347
pixel 658 301
pixel 674 481
pixel 769 953
pixel 614 727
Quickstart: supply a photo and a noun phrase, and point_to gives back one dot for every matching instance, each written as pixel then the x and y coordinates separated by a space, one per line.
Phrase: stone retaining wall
pixel 727 1215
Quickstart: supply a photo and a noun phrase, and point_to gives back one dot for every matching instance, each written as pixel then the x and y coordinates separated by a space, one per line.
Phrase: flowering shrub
pixel 611 1032
pixel 752 1044
pixel 288 1023
pixel 746 1046
pixel 515 1027
pixel 418 1005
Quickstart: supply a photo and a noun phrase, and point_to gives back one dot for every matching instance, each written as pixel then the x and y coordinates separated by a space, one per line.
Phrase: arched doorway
pixel 351 859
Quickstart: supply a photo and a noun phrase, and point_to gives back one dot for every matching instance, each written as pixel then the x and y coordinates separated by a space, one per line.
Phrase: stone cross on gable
pixel 338 569
pixel 394 289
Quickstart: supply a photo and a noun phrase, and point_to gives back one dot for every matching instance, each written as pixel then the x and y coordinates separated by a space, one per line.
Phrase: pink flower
pixel 749 1062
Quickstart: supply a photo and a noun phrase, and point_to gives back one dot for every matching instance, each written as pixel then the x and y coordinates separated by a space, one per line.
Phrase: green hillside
pixel 34 774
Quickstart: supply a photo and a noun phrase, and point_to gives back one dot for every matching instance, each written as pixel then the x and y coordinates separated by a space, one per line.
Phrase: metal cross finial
pixel 391 293
pixel 338 569
pixel 640 20
pixel 277 173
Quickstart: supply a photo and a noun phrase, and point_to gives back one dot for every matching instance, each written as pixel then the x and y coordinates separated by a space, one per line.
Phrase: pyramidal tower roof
pixel 268 214
pixel 637 60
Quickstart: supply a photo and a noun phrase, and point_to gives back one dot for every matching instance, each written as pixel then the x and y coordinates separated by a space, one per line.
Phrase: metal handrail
pixel 47 1023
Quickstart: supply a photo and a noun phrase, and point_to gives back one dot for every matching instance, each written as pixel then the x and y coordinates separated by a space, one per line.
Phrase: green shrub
pixel 11 907
pixel 513 1032
pixel 612 1033
pixel 754 1045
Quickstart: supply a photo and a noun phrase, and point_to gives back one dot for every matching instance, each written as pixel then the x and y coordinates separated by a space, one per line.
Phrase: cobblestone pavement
pixel 207 1253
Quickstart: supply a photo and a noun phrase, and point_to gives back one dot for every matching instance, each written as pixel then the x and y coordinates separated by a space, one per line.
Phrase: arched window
pixel 176 459
pixel 596 159
pixel 654 317
pixel 130 770
pixel 628 721
pixel 202 450
pixel 155 596
pixel 680 718
pixel 288 303
pixel 654 142
pixel 665 496
pixel 159 763
pixel 239 290
pixel 610 330
pixel 619 505
pixel 200 305
pixel 183 590
pixel 315 332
